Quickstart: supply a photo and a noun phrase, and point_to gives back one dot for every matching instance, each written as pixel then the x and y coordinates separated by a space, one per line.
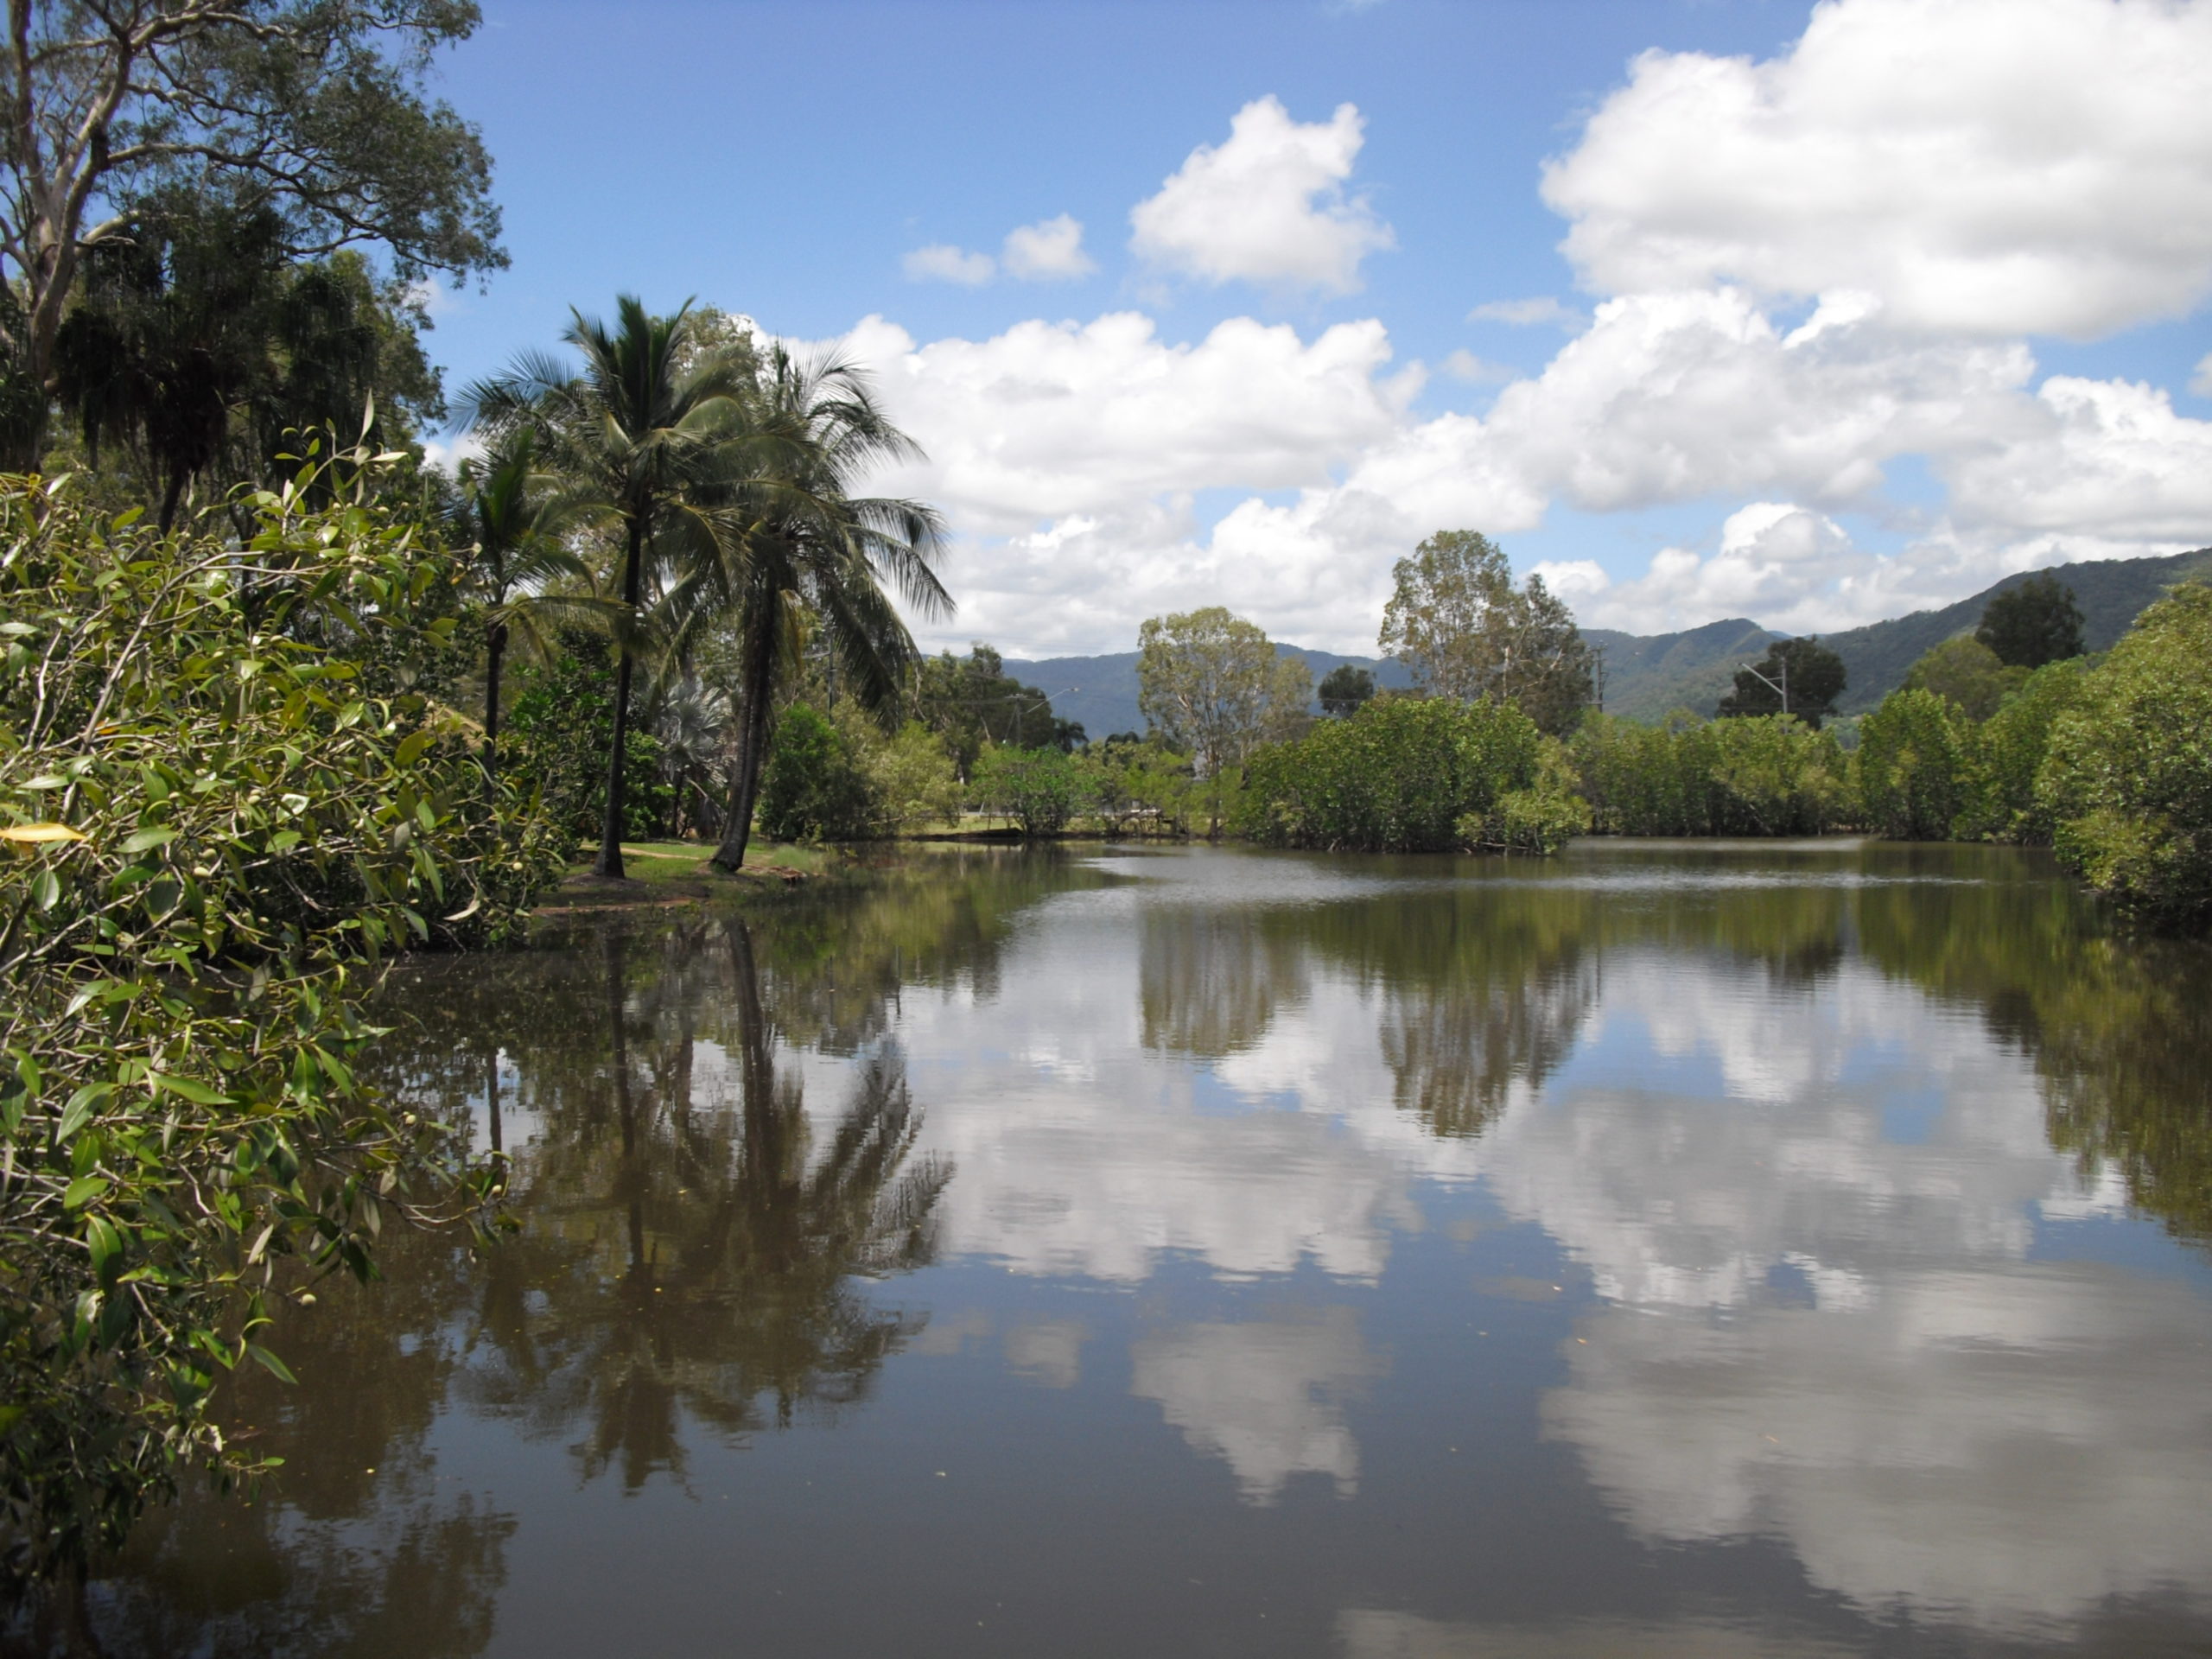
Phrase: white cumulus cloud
pixel 1989 167
pixel 1049 251
pixel 2110 456
pixel 1776 563
pixel 1268 206
pixel 1050 419
pixel 1073 458
pixel 1675 396
pixel 941 262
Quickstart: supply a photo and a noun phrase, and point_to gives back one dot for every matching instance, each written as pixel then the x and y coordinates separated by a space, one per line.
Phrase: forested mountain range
pixel 1646 676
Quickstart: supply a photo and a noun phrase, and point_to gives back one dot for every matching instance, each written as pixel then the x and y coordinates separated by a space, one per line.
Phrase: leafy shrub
pixel 1968 673
pixel 1403 774
pixel 2127 783
pixel 1039 789
pixel 815 785
pixel 2009 753
pixel 556 740
pixel 1749 775
pixel 1541 819
pixel 1770 776
pixel 912 776
pixel 1137 785
pixel 211 832
pixel 1916 761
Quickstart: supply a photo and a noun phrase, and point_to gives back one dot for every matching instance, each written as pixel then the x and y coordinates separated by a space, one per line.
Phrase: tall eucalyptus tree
pixel 322 106
pixel 646 441
pixel 815 558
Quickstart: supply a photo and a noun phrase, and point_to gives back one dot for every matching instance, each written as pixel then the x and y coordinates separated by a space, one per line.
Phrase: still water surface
pixel 1670 1250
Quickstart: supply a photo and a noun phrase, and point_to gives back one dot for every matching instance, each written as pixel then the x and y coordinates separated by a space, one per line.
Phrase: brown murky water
pixel 1669 1250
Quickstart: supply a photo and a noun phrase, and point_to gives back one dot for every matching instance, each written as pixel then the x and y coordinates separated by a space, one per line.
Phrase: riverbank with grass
pixel 669 872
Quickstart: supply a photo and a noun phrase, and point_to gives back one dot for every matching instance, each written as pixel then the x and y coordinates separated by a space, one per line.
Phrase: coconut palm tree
pixel 502 513
pixel 643 441
pixel 814 559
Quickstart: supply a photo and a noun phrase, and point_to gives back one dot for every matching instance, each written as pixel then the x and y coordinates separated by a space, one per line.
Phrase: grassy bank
pixel 679 873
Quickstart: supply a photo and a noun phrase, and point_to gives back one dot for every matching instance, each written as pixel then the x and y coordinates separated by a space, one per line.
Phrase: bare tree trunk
pixel 610 835
pixel 752 744
pixel 171 496
pixel 495 648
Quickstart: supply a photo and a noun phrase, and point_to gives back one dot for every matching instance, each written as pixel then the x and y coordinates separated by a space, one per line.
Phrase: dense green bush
pixel 816 785
pixel 1752 775
pixel 1968 673
pixel 1916 762
pixel 1137 785
pixel 213 824
pixel 2127 783
pixel 1407 774
pixel 2009 751
pixel 911 774
pixel 556 740
pixel 1039 789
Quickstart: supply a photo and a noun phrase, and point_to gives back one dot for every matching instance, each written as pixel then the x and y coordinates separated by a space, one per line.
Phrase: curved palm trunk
pixel 610 836
pixel 752 741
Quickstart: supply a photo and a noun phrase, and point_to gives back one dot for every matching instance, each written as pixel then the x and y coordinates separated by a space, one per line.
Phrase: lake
pixel 1669 1249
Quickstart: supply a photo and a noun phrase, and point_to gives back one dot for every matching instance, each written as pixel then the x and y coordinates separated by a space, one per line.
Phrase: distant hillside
pixel 1101 691
pixel 1647 676
pixel 2110 592
pixel 1650 676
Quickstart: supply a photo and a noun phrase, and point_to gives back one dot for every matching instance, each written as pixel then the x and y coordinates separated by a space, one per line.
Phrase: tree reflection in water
pixel 2118 1028
pixel 689 1236
pixel 693 1241
pixel 364 1554
pixel 687 1240
pixel 1210 981
pixel 1481 986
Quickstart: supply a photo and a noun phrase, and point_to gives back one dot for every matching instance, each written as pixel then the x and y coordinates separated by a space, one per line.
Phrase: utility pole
pixel 1783 690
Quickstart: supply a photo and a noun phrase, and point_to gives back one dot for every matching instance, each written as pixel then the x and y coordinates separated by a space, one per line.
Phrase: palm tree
pixel 502 512
pixel 639 440
pixel 815 558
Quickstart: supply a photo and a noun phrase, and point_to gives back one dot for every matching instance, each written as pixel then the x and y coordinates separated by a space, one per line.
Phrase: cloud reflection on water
pixel 1822 1324
pixel 1265 1395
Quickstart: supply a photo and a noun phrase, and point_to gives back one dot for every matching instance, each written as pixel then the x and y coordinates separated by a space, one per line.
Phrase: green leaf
pixel 160 835
pixel 199 1093
pixel 80 1107
pixel 411 749
pixel 276 1367
pixel 82 1190
pixel 105 1245
pixel 46 889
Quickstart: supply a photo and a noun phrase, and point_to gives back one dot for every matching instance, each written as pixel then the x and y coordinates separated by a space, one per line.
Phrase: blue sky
pixel 1168 420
